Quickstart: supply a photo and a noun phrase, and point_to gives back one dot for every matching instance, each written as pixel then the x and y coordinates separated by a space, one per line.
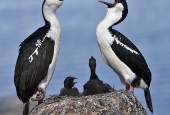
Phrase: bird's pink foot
pixel 39 95
pixel 129 87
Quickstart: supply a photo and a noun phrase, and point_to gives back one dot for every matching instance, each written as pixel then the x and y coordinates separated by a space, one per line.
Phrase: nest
pixel 115 103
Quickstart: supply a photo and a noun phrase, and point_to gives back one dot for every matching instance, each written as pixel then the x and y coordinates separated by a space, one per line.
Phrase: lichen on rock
pixel 115 103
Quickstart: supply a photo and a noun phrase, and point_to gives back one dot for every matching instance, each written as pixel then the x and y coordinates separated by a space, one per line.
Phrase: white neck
pixel 48 11
pixel 110 19
pixel 51 18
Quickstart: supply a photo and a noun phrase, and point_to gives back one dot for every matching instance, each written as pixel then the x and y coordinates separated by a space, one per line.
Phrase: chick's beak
pixel 75 82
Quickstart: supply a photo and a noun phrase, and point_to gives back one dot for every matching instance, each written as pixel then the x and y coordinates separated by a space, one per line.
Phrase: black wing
pixel 91 82
pixel 93 89
pixel 74 92
pixel 35 56
pixel 63 92
pixel 136 62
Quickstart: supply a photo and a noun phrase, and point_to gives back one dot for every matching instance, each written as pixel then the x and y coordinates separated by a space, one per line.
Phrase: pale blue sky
pixel 147 26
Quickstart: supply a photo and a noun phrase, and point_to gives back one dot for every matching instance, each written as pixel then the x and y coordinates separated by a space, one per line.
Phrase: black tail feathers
pixel 148 99
pixel 26 108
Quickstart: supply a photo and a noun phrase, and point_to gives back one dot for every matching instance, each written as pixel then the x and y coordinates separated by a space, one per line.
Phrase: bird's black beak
pixel 73 79
pixel 74 82
pixel 109 4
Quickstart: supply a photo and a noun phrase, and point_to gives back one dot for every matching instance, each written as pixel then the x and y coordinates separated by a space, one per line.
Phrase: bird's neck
pixel 102 30
pixel 93 74
pixel 111 18
pixel 69 87
pixel 50 17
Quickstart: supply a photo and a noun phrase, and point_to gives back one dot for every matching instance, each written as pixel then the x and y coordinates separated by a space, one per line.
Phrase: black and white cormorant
pixel 94 85
pixel 120 53
pixel 69 88
pixel 37 57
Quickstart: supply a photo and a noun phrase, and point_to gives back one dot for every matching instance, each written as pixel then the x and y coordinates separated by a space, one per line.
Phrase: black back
pixel 135 62
pixel 35 56
pixel 93 89
pixel 107 88
pixel 69 92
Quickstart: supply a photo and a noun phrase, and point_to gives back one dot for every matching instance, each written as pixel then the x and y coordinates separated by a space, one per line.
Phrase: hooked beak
pixel 74 82
pixel 73 79
pixel 109 4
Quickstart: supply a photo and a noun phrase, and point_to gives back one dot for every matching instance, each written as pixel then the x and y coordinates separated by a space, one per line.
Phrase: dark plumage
pixel 107 88
pixel 68 89
pixel 92 88
pixel 94 85
pixel 28 74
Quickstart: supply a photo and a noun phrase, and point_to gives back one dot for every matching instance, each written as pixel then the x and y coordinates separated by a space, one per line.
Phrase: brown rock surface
pixel 115 103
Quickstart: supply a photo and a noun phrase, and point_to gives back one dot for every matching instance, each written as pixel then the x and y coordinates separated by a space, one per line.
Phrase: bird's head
pixel 69 82
pixel 52 5
pixel 117 9
pixel 92 62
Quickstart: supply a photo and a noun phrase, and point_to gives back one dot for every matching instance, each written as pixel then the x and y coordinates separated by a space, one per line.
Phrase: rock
pixel 115 103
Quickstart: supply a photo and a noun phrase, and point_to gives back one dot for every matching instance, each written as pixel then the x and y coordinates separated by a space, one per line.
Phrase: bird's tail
pixel 26 108
pixel 148 99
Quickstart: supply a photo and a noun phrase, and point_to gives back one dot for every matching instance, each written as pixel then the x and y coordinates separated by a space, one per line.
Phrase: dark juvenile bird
pixel 107 88
pixel 120 53
pixel 69 88
pixel 94 85
pixel 37 57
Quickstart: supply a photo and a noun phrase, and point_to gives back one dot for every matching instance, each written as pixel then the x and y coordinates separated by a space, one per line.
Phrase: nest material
pixel 114 103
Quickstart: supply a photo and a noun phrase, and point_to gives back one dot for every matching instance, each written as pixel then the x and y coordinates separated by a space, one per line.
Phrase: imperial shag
pixel 37 57
pixel 120 53
pixel 107 88
pixel 69 88
pixel 95 85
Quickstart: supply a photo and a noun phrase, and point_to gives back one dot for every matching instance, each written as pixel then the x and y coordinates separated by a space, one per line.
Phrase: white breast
pixel 54 33
pixel 104 40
